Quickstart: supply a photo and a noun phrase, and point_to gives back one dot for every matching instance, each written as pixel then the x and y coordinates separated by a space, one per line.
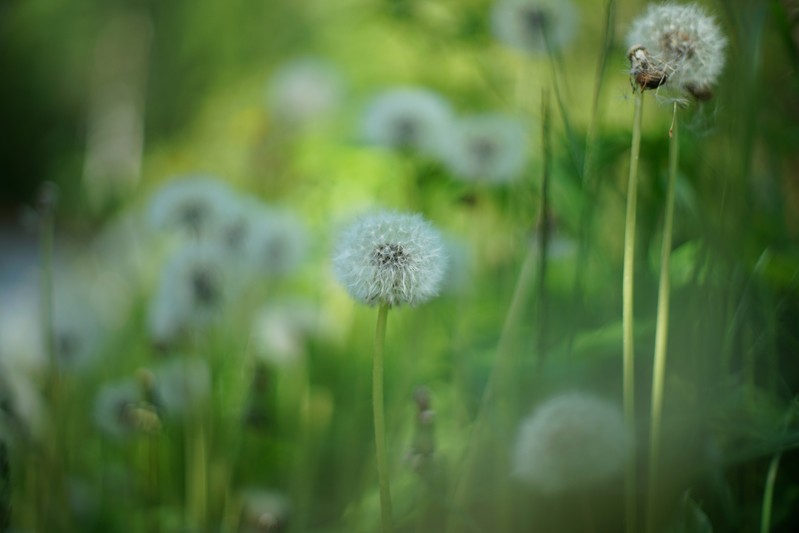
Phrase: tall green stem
pixel 379 419
pixel 627 305
pixel 662 329
pixel 544 229
pixel 197 456
pixel 196 470
pixel 768 494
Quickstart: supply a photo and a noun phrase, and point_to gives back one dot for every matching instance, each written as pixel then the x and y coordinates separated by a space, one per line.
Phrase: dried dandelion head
pixel 678 45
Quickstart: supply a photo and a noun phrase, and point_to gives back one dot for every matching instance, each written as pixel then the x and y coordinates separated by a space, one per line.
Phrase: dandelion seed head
pixel 490 148
pixel 194 287
pixel 304 91
pixel 534 26
pixel 410 118
pixel 193 205
pixel 571 441
pixel 390 258
pixel 684 42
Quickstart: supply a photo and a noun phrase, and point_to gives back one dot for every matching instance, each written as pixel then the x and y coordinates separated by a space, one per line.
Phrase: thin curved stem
pixel 627 305
pixel 768 494
pixel 379 419
pixel 662 329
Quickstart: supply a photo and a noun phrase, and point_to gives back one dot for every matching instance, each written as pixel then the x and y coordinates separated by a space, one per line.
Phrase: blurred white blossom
pixel 409 118
pixel 304 91
pixel 192 204
pixel 490 148
pixel 194 287
pixel 571 441
pixel 535 26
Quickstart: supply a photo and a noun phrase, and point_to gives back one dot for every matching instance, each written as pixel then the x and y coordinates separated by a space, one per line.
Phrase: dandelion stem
pixel 662 329
pixel 627 309
pixel 768 494
pixel 544 228
pixel 196 472
pixel 379 419
pixel 197 459
pixel 55 455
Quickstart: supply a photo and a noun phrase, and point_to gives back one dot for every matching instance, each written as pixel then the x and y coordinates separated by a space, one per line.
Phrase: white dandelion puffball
pixel 194 287
pixel 490 148
pixel 409 118
pixel 684 42
pixel 304 90
pixel 390 258
pixel 190 204
pixel 572 440
pixel 534 26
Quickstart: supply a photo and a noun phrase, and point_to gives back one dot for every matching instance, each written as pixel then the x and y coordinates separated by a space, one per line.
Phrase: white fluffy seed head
pixel 489 148
pixel 194 287
pixel 192 204
pixel 573 440
pixel 390 258
pixel 534 26
pixel 409 118
pixel 304 91
pixel 684 42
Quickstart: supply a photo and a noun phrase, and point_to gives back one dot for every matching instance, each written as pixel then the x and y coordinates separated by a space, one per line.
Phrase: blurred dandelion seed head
pixel 534 26
pixel 683 42
pixel 571 441
pixel 194 287
pixel 193 205
pixel 409 118
pixel 390 258
pixel 490 148
pixel 304 91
